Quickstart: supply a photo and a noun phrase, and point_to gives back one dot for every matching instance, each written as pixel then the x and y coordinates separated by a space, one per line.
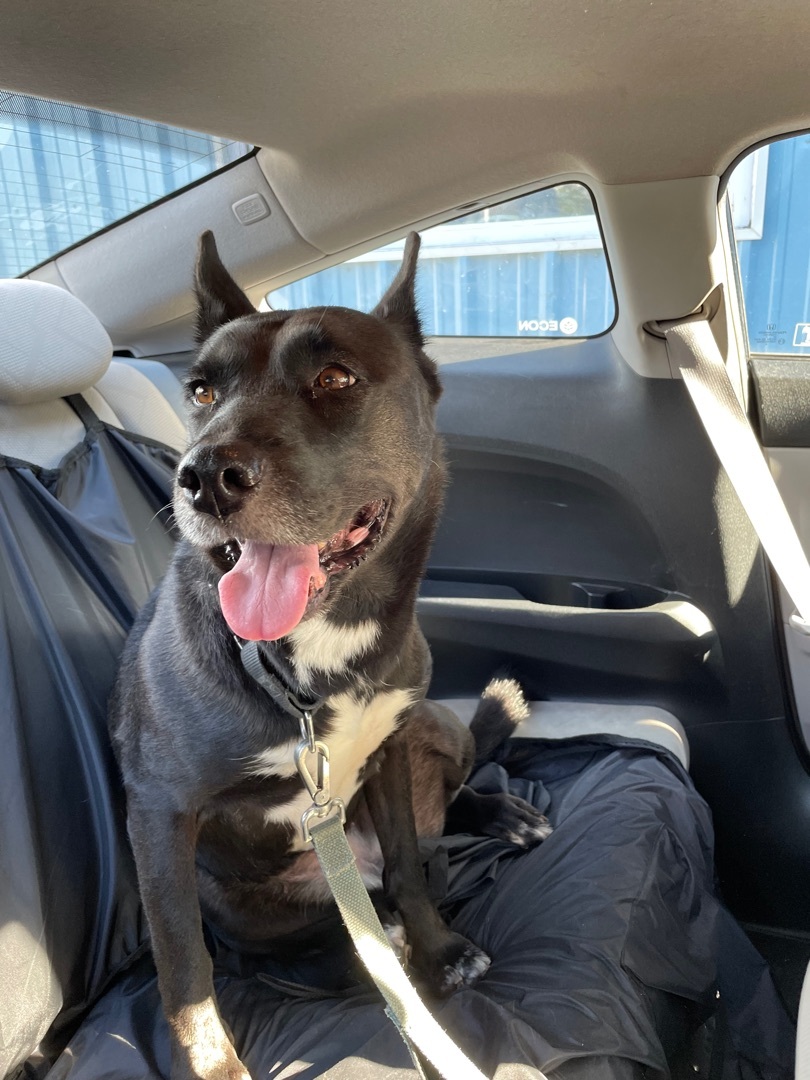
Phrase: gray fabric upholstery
pixel 568 719
pixel 140 405
pixel 164 379
pixel 51 345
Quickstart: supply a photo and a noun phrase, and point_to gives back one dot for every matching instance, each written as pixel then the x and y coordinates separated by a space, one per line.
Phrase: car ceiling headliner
pixel 427 93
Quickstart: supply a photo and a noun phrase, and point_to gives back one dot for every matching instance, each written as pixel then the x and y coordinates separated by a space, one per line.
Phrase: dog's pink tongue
pixel 266 593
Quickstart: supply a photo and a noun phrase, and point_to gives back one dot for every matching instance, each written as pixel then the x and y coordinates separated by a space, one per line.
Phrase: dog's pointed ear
pixel 399 303
pixel 219 298
pixel 399 306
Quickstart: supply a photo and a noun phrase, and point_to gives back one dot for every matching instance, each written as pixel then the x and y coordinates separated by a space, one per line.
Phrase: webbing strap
pixel 692 349
pixel 404 1006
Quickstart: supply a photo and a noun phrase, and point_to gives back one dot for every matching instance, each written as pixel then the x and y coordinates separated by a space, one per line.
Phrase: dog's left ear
pixel 398 306
pixel 219 298
pixel 399 303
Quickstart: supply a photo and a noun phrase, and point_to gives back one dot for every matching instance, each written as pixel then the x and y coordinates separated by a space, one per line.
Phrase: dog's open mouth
pixel 270 587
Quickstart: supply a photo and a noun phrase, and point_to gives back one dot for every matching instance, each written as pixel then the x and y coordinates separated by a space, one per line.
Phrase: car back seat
pixel 572 719
pixel 52 346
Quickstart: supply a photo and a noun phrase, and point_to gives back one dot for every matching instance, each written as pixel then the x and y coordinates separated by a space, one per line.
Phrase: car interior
pixel 581 176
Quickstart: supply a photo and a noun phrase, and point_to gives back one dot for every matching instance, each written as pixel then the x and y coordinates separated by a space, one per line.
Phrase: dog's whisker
pixel 160 511
pixel 169 524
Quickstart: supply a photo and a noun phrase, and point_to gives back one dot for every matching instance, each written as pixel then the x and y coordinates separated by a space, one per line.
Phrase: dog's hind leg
pixel 502 815
pixel 163 841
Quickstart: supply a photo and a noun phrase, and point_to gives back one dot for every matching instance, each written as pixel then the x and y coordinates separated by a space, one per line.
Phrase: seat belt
pixel 693 351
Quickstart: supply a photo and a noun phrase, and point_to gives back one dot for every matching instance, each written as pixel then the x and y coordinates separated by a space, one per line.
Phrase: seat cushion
pixel 568 719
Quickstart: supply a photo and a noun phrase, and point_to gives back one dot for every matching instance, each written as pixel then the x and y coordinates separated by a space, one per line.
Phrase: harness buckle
pixel 320 812
pixel 318 784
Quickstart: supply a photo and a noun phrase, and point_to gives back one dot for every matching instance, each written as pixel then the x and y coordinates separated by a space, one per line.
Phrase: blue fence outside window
pixel 67 172
pixel 775 267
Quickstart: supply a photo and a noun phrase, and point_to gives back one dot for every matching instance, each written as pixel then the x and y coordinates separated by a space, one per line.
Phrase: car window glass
pixel 769 194
pixel 67 172
pixel 531 267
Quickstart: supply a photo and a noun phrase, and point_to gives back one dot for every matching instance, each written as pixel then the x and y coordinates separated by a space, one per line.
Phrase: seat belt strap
pixel 693 351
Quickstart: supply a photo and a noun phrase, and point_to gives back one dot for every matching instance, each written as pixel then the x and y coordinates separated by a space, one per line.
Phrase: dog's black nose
pixel 218 479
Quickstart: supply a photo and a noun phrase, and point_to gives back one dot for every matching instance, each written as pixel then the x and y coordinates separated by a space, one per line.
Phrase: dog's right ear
pixel 219 298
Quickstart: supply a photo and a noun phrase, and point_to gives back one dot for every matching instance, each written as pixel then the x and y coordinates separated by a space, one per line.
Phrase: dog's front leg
pixel 446 959
pixel 163 841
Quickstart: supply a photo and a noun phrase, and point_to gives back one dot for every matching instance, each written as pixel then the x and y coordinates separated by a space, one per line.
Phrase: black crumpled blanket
pixel 612 956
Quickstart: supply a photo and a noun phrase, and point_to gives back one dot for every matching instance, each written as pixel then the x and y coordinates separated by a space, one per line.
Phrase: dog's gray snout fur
pixel 218 479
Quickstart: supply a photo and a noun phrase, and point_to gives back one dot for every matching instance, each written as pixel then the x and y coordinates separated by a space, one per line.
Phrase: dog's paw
pixel 516 821
pixel 214 1062
pixel 398 940
pixel 230 1070
pixel 463 964
pixel 454 964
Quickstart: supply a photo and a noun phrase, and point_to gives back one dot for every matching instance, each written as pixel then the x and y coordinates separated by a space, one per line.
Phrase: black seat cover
pixel 81 548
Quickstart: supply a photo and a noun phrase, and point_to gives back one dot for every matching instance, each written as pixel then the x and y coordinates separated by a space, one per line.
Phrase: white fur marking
pixel 358 729
pixel 275 761
pixel 321 645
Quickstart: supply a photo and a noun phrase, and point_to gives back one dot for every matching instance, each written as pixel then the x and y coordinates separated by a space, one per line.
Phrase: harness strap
pixel 426 1040
pixel 281 693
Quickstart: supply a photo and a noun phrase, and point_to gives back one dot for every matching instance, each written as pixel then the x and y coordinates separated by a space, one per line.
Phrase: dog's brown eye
pixel 204 395
pixel 335 378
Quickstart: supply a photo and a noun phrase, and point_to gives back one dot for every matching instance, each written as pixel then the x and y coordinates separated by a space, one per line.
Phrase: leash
pixel 322 825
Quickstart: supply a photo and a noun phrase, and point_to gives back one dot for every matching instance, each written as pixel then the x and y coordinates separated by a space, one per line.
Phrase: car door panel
pixel 585 506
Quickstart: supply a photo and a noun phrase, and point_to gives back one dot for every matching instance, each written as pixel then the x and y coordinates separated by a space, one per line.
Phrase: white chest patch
pixel 323 646
pixel 276 761
pixel 358 729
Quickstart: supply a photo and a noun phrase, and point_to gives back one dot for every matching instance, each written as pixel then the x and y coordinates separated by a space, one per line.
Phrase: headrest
pixel 51 345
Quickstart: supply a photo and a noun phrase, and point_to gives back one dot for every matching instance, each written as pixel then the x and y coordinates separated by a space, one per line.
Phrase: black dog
pixel 307 501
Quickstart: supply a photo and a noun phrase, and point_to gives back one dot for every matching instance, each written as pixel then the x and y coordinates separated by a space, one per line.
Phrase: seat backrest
pixel 52 346
pixel 82 545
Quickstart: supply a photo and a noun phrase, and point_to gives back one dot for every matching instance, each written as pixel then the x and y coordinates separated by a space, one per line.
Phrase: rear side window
pixel 67 172
pixel 769 193
pixel 531 267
